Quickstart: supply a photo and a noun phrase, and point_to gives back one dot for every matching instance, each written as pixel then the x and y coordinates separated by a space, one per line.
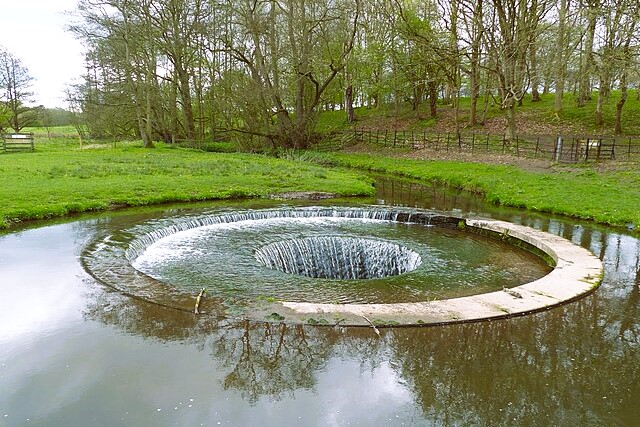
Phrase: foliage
pixel 53 117
pixel 173 71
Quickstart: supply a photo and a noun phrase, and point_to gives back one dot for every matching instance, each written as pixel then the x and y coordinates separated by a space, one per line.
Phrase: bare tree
pixel 624 59
pixel 614 52
pixel 510 28
pixel 291 52
pixel 590 7
pixel 472 13
pixel 15 82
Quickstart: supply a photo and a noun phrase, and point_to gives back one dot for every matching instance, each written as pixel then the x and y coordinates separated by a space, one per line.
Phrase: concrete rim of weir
pixel 577 272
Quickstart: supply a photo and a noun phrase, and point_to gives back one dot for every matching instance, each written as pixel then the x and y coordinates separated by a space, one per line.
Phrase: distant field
pixel 53 131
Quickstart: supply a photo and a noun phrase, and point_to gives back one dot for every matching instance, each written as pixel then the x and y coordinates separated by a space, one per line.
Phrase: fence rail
pixel 17 142
pixel 559 148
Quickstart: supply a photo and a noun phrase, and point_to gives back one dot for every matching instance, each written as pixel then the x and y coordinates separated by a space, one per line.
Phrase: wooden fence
pixel 570 149
pixel 17 142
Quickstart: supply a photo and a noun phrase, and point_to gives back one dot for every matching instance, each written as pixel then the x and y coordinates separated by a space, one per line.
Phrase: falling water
pixel 138 245
pixel 312 254
pixel 334 257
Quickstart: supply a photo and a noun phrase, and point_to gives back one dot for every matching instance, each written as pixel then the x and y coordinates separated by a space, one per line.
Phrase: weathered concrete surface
pixel 577 272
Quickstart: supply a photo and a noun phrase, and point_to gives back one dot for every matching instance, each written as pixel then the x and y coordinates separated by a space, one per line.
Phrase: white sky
pixel 34 32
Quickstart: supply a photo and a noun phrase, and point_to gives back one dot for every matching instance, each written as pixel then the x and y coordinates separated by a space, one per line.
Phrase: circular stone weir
pixel 577 272
pixel 335 257
pixel 116 262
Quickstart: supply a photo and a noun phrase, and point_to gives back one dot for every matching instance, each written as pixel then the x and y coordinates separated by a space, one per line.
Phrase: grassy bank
pixel 60 178
pixel 537 118
pixel 609 198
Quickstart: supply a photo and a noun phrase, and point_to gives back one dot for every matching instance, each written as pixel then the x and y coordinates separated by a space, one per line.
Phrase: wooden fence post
pixel 613 149
pixel 605 147
pixel 599 149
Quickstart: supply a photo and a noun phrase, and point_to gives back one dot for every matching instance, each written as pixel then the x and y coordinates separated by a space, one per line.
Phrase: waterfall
pixel 140 243
pixel 335 257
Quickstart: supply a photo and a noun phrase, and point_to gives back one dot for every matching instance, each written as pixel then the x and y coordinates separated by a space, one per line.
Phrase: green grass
pixel 329 121
pixel 540 113
pixel 60 178
pixel 571 114
pixel 610 198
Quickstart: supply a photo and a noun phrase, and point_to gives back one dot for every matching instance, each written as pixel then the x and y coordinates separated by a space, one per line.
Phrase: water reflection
pixel 574 365
pixel 113 360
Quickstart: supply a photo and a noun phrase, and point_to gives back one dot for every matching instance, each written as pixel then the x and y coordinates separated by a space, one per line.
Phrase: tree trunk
pixel 585 72
pixel 620 105
pixel 433 99
pixel 623 82
pixel 134 86
pixel 510 131
pixel 185 98
pixel 475 93
pixel 535 78
pixel 602 96
pixel 149 80
pixel 351 117
pixel 475 62
pixel 561 65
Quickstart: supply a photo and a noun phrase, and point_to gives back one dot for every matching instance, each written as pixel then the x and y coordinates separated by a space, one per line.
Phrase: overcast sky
pixel 34 32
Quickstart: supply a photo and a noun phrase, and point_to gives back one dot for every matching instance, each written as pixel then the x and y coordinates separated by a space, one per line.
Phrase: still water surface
pixel 74 353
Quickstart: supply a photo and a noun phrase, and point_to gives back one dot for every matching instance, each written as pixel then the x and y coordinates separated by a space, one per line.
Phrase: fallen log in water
pixel 199 300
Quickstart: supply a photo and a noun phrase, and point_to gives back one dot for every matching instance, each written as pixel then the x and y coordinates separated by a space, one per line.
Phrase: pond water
pixel 306 254
pixel 74 352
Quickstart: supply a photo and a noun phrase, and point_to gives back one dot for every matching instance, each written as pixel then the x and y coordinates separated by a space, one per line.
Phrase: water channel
pixel 74 352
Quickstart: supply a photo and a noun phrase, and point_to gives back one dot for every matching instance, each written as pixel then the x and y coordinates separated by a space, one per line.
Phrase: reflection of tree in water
pixel 148 320
pixel 573 365
pixel 272 359
pixel 264 359
pixel 278 359
pixel 269 359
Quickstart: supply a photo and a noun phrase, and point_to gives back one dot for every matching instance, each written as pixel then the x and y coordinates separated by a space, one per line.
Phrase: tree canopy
pixel 260 71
